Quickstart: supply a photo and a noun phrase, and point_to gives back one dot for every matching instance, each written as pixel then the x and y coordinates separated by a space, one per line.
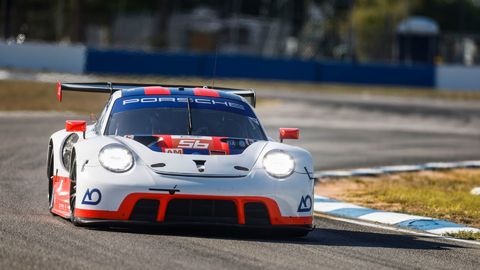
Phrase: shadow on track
pixel 317 237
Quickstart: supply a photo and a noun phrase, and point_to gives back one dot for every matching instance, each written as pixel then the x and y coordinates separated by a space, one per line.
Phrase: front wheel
pixel 73 188
pixel 51 193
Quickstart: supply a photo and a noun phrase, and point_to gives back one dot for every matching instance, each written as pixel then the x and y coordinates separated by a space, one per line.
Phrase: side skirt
pixel 61 190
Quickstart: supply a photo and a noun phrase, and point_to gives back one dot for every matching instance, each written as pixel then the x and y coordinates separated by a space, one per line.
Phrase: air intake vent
pixel 145 210
pixel 202 211
pixel 256 214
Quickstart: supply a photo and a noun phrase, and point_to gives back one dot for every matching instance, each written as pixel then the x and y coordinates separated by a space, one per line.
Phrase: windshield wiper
pixel 189 117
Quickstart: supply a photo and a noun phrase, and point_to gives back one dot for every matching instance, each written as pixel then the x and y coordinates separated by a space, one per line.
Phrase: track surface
pixel 344 131
pixel 31 238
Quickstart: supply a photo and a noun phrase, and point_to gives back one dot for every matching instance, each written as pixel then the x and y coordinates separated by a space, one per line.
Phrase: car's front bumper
pixel 251 211
pixel 173 199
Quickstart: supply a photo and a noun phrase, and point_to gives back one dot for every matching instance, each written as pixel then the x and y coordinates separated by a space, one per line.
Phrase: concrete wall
pixel 42 56
pixel 458 78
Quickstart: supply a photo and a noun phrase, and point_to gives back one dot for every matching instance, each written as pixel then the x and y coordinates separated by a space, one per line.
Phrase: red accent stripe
pixel 126 207
pixel 156 90
pixel 59 91
pixel 204 92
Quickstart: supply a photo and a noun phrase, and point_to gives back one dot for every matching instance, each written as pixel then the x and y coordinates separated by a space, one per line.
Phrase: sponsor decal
pixel 92 197
pixel 174 150
pixel 184 100
pixel 305 204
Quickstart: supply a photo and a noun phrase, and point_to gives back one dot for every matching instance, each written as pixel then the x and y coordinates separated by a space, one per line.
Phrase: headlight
pixel 116 158
pixel 278 163
pixel 67 149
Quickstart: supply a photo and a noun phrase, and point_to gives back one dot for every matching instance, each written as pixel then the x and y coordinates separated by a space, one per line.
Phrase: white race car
pixel 178 155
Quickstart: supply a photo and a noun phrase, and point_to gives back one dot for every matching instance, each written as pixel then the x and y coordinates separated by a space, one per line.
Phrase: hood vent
pixel 158 165
pixel 200 165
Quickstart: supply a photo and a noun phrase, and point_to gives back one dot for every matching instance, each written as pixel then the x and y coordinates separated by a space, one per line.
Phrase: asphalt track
pixel 31 238
pixel 351 131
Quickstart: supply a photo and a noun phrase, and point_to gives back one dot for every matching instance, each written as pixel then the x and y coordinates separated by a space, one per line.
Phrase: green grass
pixel 465 235
pixel 37 96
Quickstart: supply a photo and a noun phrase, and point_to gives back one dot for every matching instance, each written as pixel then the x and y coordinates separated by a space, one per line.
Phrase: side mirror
pixel 76 126
pixel 289 133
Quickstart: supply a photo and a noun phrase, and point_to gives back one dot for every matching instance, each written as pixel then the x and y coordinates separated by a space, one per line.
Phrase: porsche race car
pixel 163 154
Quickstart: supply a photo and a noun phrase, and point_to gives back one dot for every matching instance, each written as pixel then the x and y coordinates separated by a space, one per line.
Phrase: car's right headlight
pixel 278 164
pixel 116 158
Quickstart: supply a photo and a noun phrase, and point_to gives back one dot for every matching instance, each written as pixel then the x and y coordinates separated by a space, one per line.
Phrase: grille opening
pixel 145 210
pixel 256 213
pixel 207 211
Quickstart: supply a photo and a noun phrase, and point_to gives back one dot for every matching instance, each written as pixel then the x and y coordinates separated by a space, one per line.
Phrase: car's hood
pixel 194 145
pixel 196 156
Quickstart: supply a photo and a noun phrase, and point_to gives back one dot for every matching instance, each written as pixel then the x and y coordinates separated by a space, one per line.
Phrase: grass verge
pixel 465 235
pixel 39 96
pixel 438 194
pixel 35 96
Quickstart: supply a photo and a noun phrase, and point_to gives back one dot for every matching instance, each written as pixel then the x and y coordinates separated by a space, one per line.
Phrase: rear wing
pixel 108 87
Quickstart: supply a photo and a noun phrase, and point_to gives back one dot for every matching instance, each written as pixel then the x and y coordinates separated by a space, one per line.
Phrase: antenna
pixel 215 65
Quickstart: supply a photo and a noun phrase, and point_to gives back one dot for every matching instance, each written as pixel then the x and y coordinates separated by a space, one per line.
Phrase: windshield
pixel 210 117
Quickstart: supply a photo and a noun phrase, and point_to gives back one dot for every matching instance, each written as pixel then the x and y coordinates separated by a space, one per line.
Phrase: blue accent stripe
pixel 133 92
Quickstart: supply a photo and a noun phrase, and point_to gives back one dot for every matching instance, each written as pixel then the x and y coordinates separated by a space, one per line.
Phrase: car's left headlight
pixel 116 158
pixel 278 164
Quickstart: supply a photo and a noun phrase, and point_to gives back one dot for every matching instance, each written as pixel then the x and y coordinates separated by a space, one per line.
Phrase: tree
pixel 374 23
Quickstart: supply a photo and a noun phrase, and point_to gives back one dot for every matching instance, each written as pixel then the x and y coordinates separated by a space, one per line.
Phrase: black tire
pixel 73 188
pixel 50 174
